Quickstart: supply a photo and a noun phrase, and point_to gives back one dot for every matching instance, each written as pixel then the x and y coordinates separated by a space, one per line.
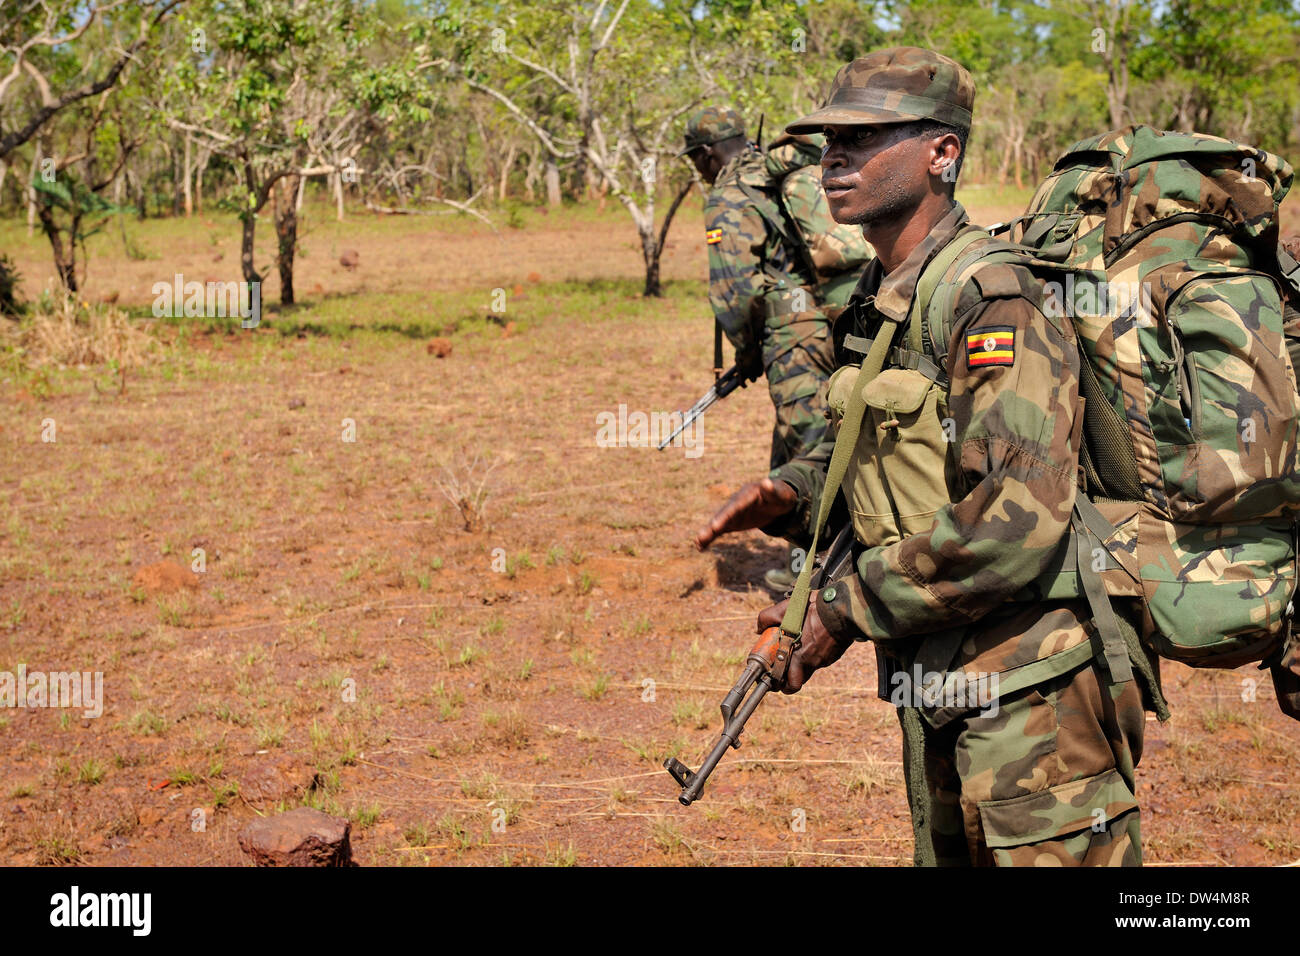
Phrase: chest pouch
pixel 895 480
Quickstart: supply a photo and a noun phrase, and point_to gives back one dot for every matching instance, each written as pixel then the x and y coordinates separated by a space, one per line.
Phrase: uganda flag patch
pixel 713 236
pixel 992 346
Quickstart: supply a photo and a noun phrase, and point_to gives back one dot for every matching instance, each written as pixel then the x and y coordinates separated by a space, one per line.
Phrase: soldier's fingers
pixel 703 538
pixel 771 616
pixel 794 676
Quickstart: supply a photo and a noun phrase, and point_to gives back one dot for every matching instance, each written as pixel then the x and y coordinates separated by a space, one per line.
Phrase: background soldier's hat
pixel 712 125
pixel 897 85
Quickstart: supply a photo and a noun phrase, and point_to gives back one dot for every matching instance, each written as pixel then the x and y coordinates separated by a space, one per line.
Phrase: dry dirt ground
pixel 501 695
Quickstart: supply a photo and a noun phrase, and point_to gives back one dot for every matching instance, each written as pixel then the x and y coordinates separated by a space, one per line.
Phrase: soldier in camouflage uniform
pixel 761 291
pixel 1044 773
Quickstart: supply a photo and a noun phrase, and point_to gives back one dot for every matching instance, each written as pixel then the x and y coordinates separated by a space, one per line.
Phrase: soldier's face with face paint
pixel 875 173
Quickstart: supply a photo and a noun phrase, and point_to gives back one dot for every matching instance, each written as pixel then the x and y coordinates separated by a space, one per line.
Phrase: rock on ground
pixel 301 837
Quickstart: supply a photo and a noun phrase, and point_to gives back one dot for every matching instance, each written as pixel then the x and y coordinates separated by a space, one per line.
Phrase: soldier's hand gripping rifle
pixel 764 671
pixel 730 380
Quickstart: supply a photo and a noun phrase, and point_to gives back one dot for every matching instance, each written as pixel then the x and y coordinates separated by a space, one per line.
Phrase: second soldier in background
pixel 780 271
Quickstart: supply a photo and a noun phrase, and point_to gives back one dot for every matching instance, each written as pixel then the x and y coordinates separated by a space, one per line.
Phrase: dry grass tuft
pixel 468 492
pixel 72 333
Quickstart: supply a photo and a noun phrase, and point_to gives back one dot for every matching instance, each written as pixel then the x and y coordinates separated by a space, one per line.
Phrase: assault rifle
pixel 727 382
pixel 764 671
pixel 771 651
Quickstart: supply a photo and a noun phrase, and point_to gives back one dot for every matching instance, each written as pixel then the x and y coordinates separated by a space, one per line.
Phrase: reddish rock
pixel 439 348
pixel 301 837
pixel 350 259
pixel 164 577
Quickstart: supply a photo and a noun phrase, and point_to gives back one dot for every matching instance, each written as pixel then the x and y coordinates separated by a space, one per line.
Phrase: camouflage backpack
pixel 1161 248
pixel 833 254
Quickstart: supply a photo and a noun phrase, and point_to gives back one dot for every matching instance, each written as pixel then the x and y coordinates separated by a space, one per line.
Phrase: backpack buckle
pixel 1289 268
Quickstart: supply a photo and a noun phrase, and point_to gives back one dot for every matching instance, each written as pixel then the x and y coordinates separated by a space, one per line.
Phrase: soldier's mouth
pixel 834 187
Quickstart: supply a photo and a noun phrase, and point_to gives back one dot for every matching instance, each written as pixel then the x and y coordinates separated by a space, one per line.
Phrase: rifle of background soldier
pixel 708 161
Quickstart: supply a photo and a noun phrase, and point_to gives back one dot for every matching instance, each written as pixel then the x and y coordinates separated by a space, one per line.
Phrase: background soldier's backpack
pixel 796 209
pixel 1162 248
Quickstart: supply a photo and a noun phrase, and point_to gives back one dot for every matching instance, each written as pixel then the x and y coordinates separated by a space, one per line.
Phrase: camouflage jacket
pixel 943 599
pixel 748 262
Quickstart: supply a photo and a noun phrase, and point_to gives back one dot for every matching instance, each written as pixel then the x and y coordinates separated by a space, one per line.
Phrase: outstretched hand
pixel 754 505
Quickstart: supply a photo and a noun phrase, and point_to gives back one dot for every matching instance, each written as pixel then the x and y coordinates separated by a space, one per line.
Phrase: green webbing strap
pixel 918 791
pixel 928 282
pixel 1121 640
pixel 845 442
pixel 775 214
pixel 941 303
pixel 1113 647
pixel 899 358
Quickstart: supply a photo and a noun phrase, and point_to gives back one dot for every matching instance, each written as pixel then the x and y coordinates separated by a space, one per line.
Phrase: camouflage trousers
pixel 796 381
pixel 1044 779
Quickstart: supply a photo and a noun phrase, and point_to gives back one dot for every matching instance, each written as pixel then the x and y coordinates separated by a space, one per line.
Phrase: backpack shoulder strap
pixel 943 286
pixel 775 214
pixel 929 280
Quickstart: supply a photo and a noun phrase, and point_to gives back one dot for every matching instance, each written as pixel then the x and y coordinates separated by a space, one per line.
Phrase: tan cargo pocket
pixel 896 479
pixel 1090 821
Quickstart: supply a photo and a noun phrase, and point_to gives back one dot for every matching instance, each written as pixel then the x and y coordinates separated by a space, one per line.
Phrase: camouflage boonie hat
pixel 897 85
pixel 712 125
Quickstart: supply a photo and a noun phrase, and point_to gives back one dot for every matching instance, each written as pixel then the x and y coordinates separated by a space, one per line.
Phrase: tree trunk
pixel 246 247
pixel 532 175
pixel 65 257
pixel 31 190
pixel 286 231
pixel 205 156
pixel 175 161
pixel 652 247
pixel 189 168
pixel 505 172
pixel 338 191
pixel 1005 164
pixel 134 179
pixel 553 196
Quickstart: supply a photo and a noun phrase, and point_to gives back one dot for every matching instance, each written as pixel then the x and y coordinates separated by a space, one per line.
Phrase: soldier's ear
pixel 945 158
